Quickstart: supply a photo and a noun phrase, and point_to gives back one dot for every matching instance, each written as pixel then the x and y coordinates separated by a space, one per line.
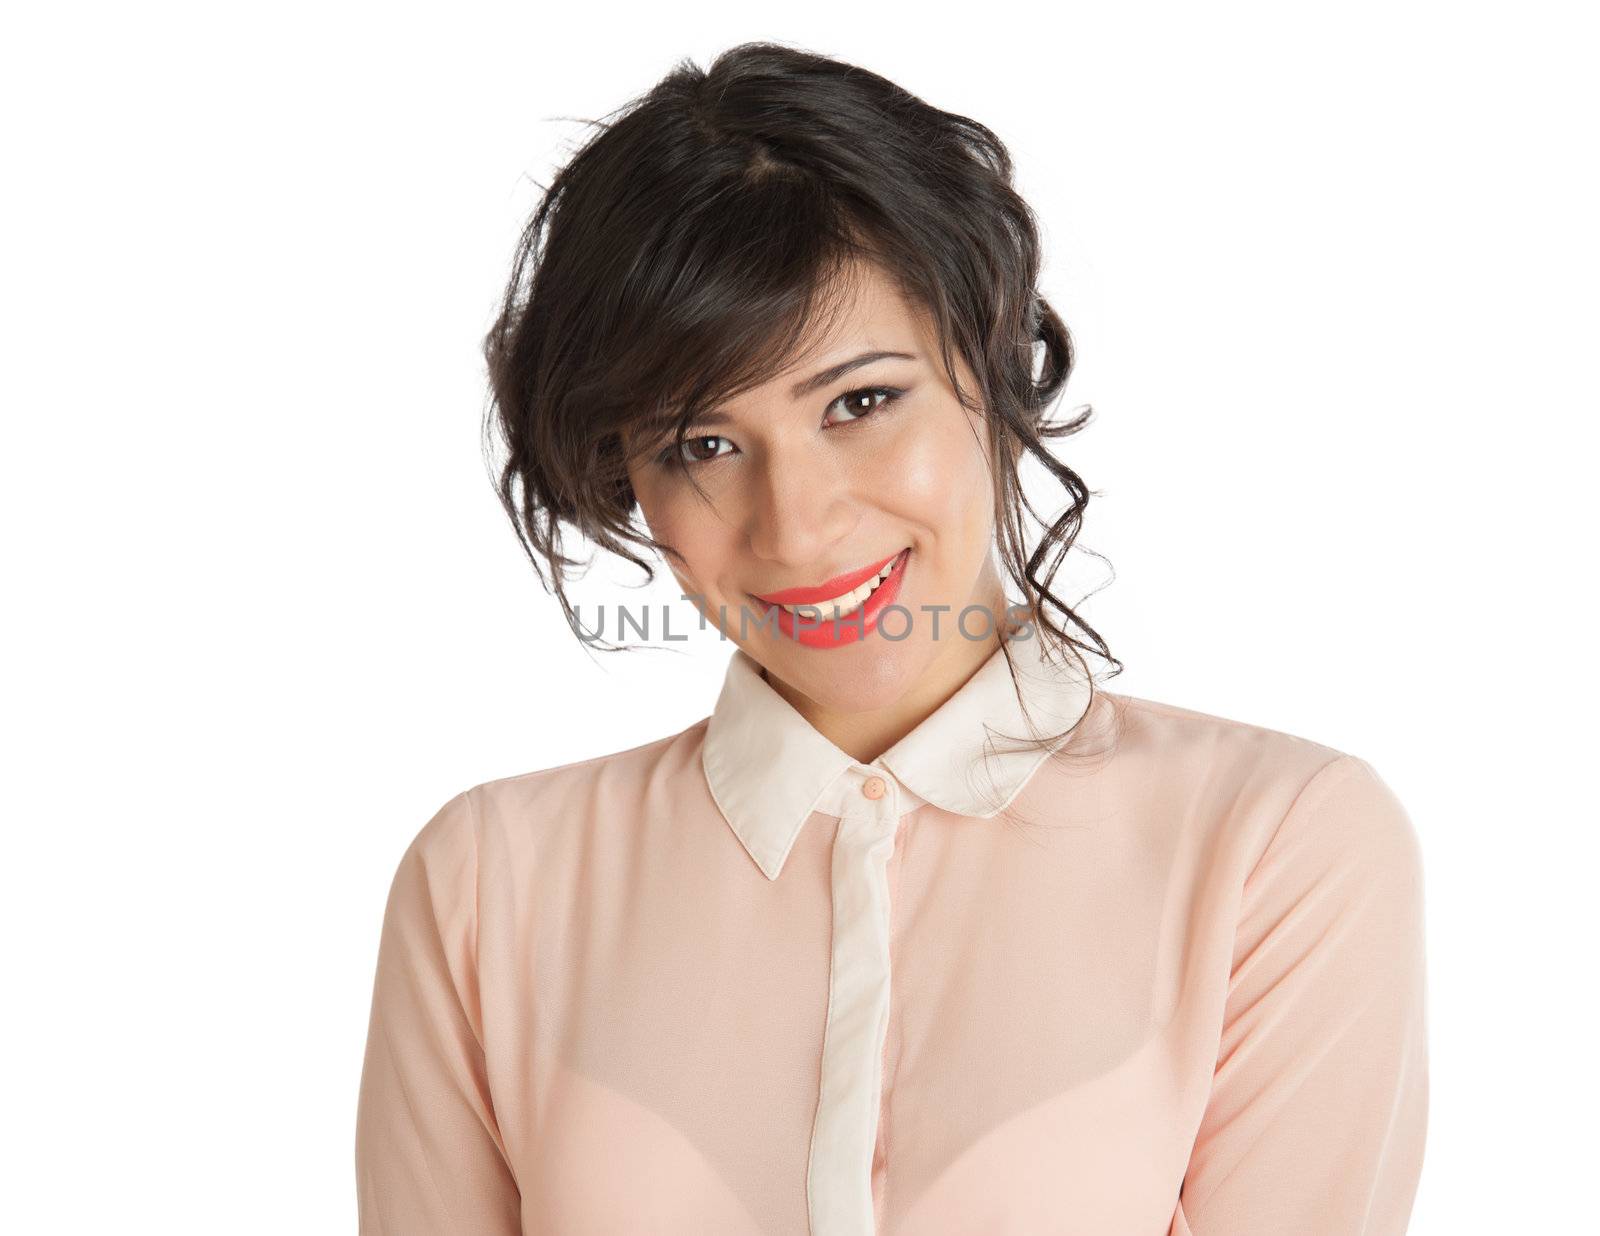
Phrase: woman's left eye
pixel 862 403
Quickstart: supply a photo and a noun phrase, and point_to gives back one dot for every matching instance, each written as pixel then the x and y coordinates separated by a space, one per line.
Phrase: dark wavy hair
pixel 689 245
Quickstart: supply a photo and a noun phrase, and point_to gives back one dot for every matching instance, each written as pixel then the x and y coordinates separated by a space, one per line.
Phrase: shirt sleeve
pixel 429 1155
pixel 1318 1108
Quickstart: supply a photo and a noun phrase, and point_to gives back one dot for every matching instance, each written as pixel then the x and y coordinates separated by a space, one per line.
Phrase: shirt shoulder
pixel 1183 750
pixel 1251 786
pixel 628 772
pixel 508 831
pixel 1206 739
pixel 612 787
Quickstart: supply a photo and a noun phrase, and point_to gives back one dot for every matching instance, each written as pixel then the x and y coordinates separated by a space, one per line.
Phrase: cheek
pixel 941 479
pixel 685 524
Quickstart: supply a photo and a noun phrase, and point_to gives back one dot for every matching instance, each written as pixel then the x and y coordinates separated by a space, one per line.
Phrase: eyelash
pixel 669 457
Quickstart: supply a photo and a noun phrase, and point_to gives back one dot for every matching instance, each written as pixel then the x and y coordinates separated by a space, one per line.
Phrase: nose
pixel 801 506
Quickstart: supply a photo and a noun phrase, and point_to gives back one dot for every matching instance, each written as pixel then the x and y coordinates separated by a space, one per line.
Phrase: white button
pixel 874 787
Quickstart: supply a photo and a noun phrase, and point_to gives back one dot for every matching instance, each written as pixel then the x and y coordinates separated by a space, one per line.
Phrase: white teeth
pixel 840 606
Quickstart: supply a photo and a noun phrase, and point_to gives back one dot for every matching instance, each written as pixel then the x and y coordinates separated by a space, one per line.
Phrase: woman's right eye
pixel 668 458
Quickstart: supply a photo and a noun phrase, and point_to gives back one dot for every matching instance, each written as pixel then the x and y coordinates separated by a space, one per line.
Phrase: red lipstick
pixel 828 589
pixel 812 632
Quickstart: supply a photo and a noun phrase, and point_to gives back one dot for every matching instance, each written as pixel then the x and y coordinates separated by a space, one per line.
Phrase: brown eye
pixel 862 403
pixel 691 455
pixel 712 454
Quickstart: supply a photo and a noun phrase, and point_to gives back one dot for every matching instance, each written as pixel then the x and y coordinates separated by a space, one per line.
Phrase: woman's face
pixel 802 486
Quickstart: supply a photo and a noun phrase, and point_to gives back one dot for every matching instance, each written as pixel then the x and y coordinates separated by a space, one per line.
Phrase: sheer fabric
pixel 1167 981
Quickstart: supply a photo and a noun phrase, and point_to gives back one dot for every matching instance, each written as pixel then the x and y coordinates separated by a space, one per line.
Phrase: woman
pixel 920 930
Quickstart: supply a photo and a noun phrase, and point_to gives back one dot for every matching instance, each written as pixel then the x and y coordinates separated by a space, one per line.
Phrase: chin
pixel 878 678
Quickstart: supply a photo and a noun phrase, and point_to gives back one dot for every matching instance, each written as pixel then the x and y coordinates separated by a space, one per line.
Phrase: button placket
pixel 844 1138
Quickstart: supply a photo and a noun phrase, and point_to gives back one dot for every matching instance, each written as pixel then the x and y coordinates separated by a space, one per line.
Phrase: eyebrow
pixel 829 376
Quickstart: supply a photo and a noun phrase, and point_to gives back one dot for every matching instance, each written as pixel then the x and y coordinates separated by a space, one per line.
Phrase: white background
pixel 1332 272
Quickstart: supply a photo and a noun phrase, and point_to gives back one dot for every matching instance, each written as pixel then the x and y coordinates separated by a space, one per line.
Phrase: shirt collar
pixel 768 768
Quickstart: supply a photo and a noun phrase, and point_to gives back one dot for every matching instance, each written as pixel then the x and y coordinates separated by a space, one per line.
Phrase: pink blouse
pixel 1168 981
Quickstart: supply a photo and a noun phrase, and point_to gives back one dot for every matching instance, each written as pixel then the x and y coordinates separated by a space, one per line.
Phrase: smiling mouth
pixel 839 605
